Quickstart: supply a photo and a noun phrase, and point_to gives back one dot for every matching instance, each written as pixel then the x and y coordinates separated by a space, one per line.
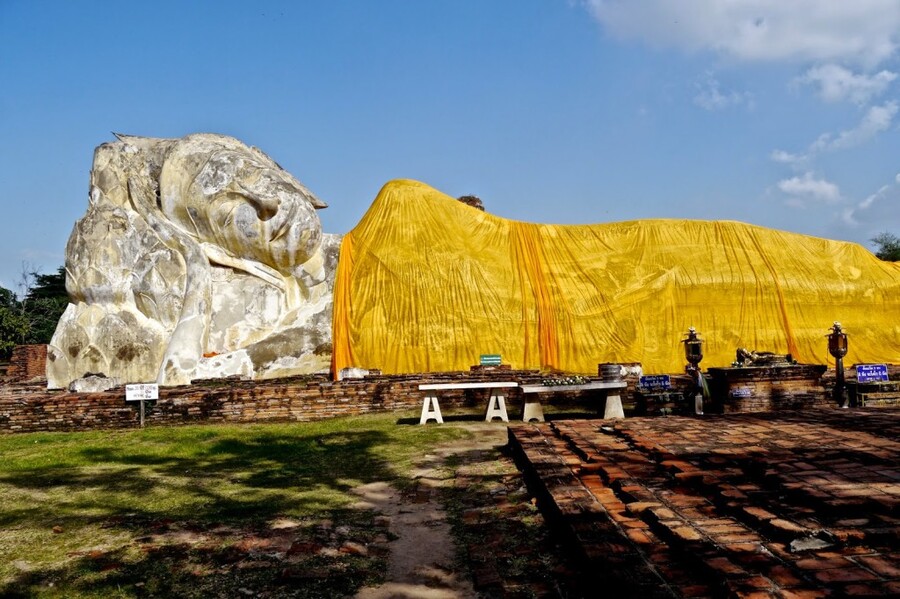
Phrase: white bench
pixel 532 395
pixel 496 406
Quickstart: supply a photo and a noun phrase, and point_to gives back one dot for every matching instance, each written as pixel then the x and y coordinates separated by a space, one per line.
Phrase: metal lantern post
pixel 837 347
pixel 693 353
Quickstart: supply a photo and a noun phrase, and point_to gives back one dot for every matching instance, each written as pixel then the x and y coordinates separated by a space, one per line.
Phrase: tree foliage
pixel 888 246
pixel 44 302
pixel 52 286
pixel 13 326
pixel 32 317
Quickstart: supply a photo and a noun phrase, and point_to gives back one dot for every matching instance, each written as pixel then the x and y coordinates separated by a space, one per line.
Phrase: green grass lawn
pixel 199 511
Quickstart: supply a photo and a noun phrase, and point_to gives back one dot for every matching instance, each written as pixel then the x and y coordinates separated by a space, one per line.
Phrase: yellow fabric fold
pixel 426 283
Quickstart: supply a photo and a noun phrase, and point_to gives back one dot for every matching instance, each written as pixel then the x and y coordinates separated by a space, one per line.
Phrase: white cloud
pixel 872 198
pixel 836 83
pixel 808 187
pixel 876 120
pixel 711 97
pixel 862 31
pixel 788 158
pixel 878 209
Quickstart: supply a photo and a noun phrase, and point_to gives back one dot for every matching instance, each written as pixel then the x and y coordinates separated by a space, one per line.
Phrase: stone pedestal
pixel 659 403
pixel 767 388
pixel 484 369
pixel 880 394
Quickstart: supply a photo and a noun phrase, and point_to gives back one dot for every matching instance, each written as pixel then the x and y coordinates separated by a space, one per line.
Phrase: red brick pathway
pixel 800 504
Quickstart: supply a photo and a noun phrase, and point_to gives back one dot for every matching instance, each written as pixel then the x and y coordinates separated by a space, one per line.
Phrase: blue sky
pixel 780 114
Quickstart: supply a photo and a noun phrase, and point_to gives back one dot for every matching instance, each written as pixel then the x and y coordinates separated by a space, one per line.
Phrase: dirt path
pixel 421 558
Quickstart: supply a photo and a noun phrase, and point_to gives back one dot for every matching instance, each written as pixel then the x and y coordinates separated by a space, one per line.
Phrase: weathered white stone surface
pixel 94 384
pixel 197 257
pixel 352 373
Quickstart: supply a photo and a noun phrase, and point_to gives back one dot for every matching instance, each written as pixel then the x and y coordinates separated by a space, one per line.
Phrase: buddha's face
pixel 223 192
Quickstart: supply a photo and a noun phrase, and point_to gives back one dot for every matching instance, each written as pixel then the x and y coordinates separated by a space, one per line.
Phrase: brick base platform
pixel 800 504
pixel 30 407
pixel 28 362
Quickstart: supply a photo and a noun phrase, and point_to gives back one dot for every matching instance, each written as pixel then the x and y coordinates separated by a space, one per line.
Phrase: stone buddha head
pixel 225 193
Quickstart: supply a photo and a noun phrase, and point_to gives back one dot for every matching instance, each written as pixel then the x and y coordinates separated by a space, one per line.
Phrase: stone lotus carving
pixel 198 257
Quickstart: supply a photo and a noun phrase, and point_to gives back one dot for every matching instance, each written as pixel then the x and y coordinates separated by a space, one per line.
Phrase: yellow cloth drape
pixel 426 283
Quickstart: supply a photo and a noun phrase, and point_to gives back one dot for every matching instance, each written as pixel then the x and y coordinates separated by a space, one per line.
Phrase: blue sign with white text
pixel 656 382
pixel 871 373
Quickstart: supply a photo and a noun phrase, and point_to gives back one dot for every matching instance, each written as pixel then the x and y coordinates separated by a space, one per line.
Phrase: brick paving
pixel 788 504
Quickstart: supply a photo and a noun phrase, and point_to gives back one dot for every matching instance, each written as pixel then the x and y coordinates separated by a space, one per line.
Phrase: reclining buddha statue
pixel 198 257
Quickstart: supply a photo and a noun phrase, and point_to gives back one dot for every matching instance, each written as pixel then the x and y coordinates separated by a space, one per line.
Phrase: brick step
pixel 715 546
pixel 610 559
pixel 804 511
pixel 689 557
pixel 716 520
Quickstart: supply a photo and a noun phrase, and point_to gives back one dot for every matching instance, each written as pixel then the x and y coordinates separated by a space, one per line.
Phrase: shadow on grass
pixel 221 480
pixel 555 412
pixel 447 419
pixel 186 570
pixel 236 485
pixel 502 540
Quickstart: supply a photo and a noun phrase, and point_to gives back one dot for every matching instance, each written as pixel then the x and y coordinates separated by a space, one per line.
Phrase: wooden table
pixel 496 405
pixel 612 408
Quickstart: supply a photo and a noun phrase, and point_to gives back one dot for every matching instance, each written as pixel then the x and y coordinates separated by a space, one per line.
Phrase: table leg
pixel 532 409
pixel 496 408
pixel 613 408
pixel 431 410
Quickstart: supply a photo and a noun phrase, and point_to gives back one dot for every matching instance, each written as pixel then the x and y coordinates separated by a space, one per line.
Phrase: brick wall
pixel 31 408
pixel 28 362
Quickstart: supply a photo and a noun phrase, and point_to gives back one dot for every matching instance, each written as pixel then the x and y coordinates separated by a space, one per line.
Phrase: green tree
pixel 888 246
pixel 32 317
pixel 49 286
pixel 13 325
pixel 44 302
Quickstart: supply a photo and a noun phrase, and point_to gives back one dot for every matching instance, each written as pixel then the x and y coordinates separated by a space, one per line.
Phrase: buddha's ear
pixel 316 202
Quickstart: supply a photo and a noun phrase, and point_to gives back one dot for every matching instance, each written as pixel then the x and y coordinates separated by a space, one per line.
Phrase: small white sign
pixel 141 392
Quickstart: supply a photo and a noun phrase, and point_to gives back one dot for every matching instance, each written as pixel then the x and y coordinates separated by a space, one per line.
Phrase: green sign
pixel 490 360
